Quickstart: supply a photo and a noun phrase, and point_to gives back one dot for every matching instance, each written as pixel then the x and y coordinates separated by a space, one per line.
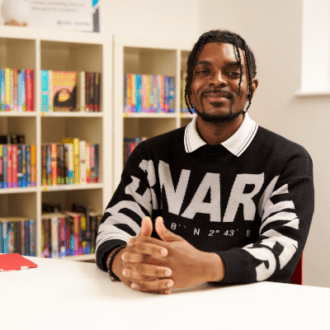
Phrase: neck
pixel 216 133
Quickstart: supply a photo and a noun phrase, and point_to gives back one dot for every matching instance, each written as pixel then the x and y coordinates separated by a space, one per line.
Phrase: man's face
pixel 214 88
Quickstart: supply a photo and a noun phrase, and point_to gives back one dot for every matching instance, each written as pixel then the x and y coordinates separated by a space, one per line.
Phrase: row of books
pixel 129 146
pixel 73 161
pixel 70 91
pixel 17 235
pixel 69 233
pixel 16 90
pixel 149 93
pixel 17 166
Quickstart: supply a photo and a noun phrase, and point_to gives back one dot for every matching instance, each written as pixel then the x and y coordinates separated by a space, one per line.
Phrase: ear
pixel 255 84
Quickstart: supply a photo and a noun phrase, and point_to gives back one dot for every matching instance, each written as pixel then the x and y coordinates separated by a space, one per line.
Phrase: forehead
pixel 220 52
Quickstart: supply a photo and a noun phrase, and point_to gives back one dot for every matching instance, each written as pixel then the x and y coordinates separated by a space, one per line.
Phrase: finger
pixel 150 249
pixel 160 286
pixel 146 227
pixel 142 239
pixel 134 257
pixel 146 272
pixel 165 234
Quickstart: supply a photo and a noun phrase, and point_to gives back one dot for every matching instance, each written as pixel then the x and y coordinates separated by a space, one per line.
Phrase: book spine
pixel 134 93
pixel 2 90
pixel 33 166
pixel 15 165
pixel 92 164
pixel 172 94
pixel 53 148
pixel 151 93
pixel 76 161
pixel 148 93
pixel 29 90
pixel 15 90
pixel 11 89
pixel 138 93
pixel 88 163
pixel 144 94
pixel 68 235
pixel 82 91
pixel 10 235
pixel 16 236
pixel 7 89
pixel 82 151
pixel 66 163
pixel 49 164
pixel 97 91
pixel 92 90
pixel 32 238
pixel 50 91
pixel 87 91
pixel 9 166
pixel 28 165
pixel 44 90
pixel 96 166
pixel 23 90
pixel 19 91
pixel 71 163
pixel 5 167
pixel 62 248
pixel 24 166
pixel 19 166
pixel 55 245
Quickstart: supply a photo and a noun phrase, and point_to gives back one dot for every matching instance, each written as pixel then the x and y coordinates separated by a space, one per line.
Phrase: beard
pixel 218 118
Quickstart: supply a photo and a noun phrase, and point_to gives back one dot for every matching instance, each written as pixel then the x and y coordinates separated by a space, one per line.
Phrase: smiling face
pixel 215 84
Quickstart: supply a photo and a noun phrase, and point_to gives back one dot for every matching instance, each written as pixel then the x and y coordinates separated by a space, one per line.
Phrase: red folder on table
pixel 14 261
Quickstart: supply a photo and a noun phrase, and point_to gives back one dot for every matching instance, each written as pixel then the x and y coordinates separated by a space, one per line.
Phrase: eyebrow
pixel 230 64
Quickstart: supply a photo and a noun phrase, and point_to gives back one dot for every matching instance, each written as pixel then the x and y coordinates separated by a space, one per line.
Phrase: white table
pixel 62 294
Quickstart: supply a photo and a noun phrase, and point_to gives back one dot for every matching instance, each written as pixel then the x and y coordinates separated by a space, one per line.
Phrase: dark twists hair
pixel 221 36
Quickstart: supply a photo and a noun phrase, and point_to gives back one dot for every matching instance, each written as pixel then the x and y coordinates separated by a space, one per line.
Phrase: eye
pixel 202 71
pixel 234 74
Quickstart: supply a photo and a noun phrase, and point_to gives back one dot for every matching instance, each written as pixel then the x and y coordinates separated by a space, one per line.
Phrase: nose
pixel 218 79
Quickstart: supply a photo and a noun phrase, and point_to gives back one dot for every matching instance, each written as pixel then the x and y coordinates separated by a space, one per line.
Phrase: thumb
pixel 146 227
pixel 165 234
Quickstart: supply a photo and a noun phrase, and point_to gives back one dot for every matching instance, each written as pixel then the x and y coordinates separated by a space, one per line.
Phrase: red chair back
pixel 296 277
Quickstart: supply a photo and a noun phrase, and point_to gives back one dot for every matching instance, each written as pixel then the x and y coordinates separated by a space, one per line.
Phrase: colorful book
pixel 44 91
pixel 29 77
pixel 64 90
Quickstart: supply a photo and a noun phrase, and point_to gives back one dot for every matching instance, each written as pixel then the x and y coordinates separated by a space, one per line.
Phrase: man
pixel 221 200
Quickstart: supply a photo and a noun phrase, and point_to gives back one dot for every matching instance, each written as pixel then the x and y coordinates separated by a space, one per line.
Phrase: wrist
pixel 215 268
pixel 113 263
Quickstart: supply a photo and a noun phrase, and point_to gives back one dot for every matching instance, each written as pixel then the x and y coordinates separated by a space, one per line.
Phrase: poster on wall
pixel 76 15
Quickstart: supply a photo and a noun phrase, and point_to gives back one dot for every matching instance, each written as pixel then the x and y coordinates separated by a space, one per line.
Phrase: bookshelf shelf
pixel 18 190
pixel 73 187
pixel 17 114
pixel 149 115
pixel 146 56
pixel 41 49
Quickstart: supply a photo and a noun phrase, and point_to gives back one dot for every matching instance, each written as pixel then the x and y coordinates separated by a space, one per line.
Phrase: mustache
pixel 223 93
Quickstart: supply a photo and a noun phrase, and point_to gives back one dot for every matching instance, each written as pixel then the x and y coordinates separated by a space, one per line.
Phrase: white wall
pixel 174 19
pixel 273 30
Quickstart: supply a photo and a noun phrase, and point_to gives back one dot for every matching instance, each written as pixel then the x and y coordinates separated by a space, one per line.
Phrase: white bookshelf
pixel 146 56
pixel 41 49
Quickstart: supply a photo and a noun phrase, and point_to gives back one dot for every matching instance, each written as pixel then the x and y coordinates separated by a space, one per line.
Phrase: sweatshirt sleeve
pixel 285 208
pixel 131 202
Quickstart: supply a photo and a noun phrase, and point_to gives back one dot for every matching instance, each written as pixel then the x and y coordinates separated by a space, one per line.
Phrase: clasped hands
pixel 158 265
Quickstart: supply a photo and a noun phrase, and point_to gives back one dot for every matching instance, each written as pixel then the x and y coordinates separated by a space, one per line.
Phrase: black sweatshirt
pixel 250 199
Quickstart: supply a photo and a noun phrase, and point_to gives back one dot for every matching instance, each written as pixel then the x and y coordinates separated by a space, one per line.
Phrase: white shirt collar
pixel 236 144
